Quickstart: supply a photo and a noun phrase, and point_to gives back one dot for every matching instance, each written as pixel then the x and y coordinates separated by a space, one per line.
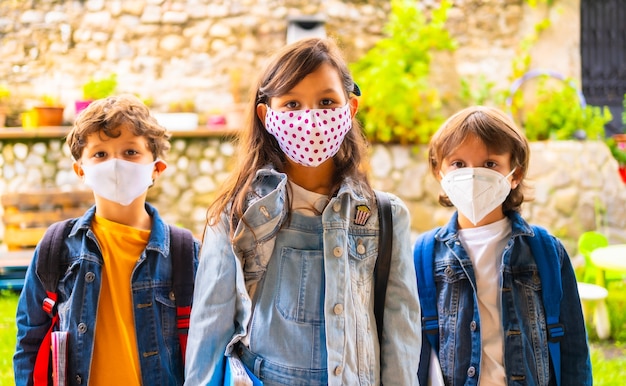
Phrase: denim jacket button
pixel 82 328
pixel 338 251
pixel 360 249
pixel 448 271
pixel 172 296
pixel 338 370
pixel 338 309
pixel 471 371
pixel 89 277
pixel 79 379
pixel 337 206
pixel 473 325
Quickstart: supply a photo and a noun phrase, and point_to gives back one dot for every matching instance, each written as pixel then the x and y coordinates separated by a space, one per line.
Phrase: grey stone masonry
pixel 576 186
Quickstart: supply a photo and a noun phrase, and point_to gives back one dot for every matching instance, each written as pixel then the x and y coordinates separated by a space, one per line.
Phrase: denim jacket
pixel 526 356
pixel 229 272
pixel 78 290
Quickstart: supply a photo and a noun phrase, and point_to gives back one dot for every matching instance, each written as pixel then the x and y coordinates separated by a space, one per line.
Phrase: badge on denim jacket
pixel 363 213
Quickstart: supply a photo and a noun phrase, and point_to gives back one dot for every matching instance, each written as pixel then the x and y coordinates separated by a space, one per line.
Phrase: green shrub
pixel 398 104
pixel 558 114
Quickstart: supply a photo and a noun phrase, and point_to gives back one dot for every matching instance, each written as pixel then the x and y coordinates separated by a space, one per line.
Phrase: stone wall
pixel 575 184
pixel 209 51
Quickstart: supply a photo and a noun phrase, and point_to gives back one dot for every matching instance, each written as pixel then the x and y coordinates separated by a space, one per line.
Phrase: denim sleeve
pixel 402 332
pixel 212 320
pixel 32 325
pixel 575 359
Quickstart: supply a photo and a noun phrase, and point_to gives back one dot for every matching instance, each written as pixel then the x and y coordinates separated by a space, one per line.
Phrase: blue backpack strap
pixel 423 258
pixel 547 260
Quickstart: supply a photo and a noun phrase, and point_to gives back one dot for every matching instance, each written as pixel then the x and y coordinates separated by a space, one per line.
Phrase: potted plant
pixel 50 112
pixel 96 89
pixel 559 112
pixel 399 103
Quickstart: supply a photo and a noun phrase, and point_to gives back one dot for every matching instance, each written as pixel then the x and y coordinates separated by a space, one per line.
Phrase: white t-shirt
pixel 306 202
pixel 485 246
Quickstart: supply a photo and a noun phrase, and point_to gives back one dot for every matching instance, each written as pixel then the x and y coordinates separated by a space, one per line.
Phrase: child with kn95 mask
pixel 116 298
pixel 286 275
pixel 499 297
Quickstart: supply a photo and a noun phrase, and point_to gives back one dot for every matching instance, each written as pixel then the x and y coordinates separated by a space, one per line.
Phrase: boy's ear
pixel 78 169
pixel 159 167
pixel 438 174
pixel 516 180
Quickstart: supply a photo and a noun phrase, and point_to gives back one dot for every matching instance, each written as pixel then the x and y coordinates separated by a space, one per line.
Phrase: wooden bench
pixel 26 217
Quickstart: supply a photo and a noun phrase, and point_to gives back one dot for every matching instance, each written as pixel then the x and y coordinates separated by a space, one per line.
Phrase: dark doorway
pixel 603 56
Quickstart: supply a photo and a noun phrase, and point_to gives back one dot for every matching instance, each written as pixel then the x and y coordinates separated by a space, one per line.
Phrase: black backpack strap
pixel 49 262
pixel 50 259
pixel 383 261
pixel 182 250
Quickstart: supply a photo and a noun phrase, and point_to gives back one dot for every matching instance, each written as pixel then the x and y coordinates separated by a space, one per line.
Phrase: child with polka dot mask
pixel 286 279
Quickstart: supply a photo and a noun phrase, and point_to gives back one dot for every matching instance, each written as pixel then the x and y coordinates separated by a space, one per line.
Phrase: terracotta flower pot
pixel 49 115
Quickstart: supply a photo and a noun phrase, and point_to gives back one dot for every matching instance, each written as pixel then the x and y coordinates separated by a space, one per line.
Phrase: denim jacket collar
pixel 159 234
pixel 269 186
pixel 519 227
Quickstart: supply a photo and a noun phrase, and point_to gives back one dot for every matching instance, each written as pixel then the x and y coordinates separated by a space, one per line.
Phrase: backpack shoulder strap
pixel 48 269
pixel 48 265
pixel 383 261
pixel 182 252
pixel 547 260
pixel 49 259
pixel 423 258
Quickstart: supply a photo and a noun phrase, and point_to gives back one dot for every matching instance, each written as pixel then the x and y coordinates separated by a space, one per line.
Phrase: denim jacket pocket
pixel 527 278
pixel 449 273
pixel 363 252
pixel 167 309
pixel 307 269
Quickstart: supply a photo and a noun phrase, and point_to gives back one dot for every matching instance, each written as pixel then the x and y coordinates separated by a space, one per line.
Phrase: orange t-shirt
pixel 115 355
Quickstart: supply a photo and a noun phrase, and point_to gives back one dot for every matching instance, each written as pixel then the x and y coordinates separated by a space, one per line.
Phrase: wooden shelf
pixel 61 132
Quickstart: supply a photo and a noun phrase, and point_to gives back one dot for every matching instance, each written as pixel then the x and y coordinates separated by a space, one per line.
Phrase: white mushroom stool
pixel 592 298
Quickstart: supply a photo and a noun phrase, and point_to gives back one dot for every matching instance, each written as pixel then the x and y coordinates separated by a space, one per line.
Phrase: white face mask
pixel 476 192
pixel 309 137
pixel 119 180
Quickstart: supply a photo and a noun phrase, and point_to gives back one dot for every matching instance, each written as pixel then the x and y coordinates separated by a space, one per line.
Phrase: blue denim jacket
pixel 526 356
pixel 229 272
pixel 78 290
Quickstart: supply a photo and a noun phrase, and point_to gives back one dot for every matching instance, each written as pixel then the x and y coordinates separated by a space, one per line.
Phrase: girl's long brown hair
pixel 257 148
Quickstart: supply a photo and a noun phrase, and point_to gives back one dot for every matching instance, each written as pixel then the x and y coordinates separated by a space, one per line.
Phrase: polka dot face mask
pixel 309 137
